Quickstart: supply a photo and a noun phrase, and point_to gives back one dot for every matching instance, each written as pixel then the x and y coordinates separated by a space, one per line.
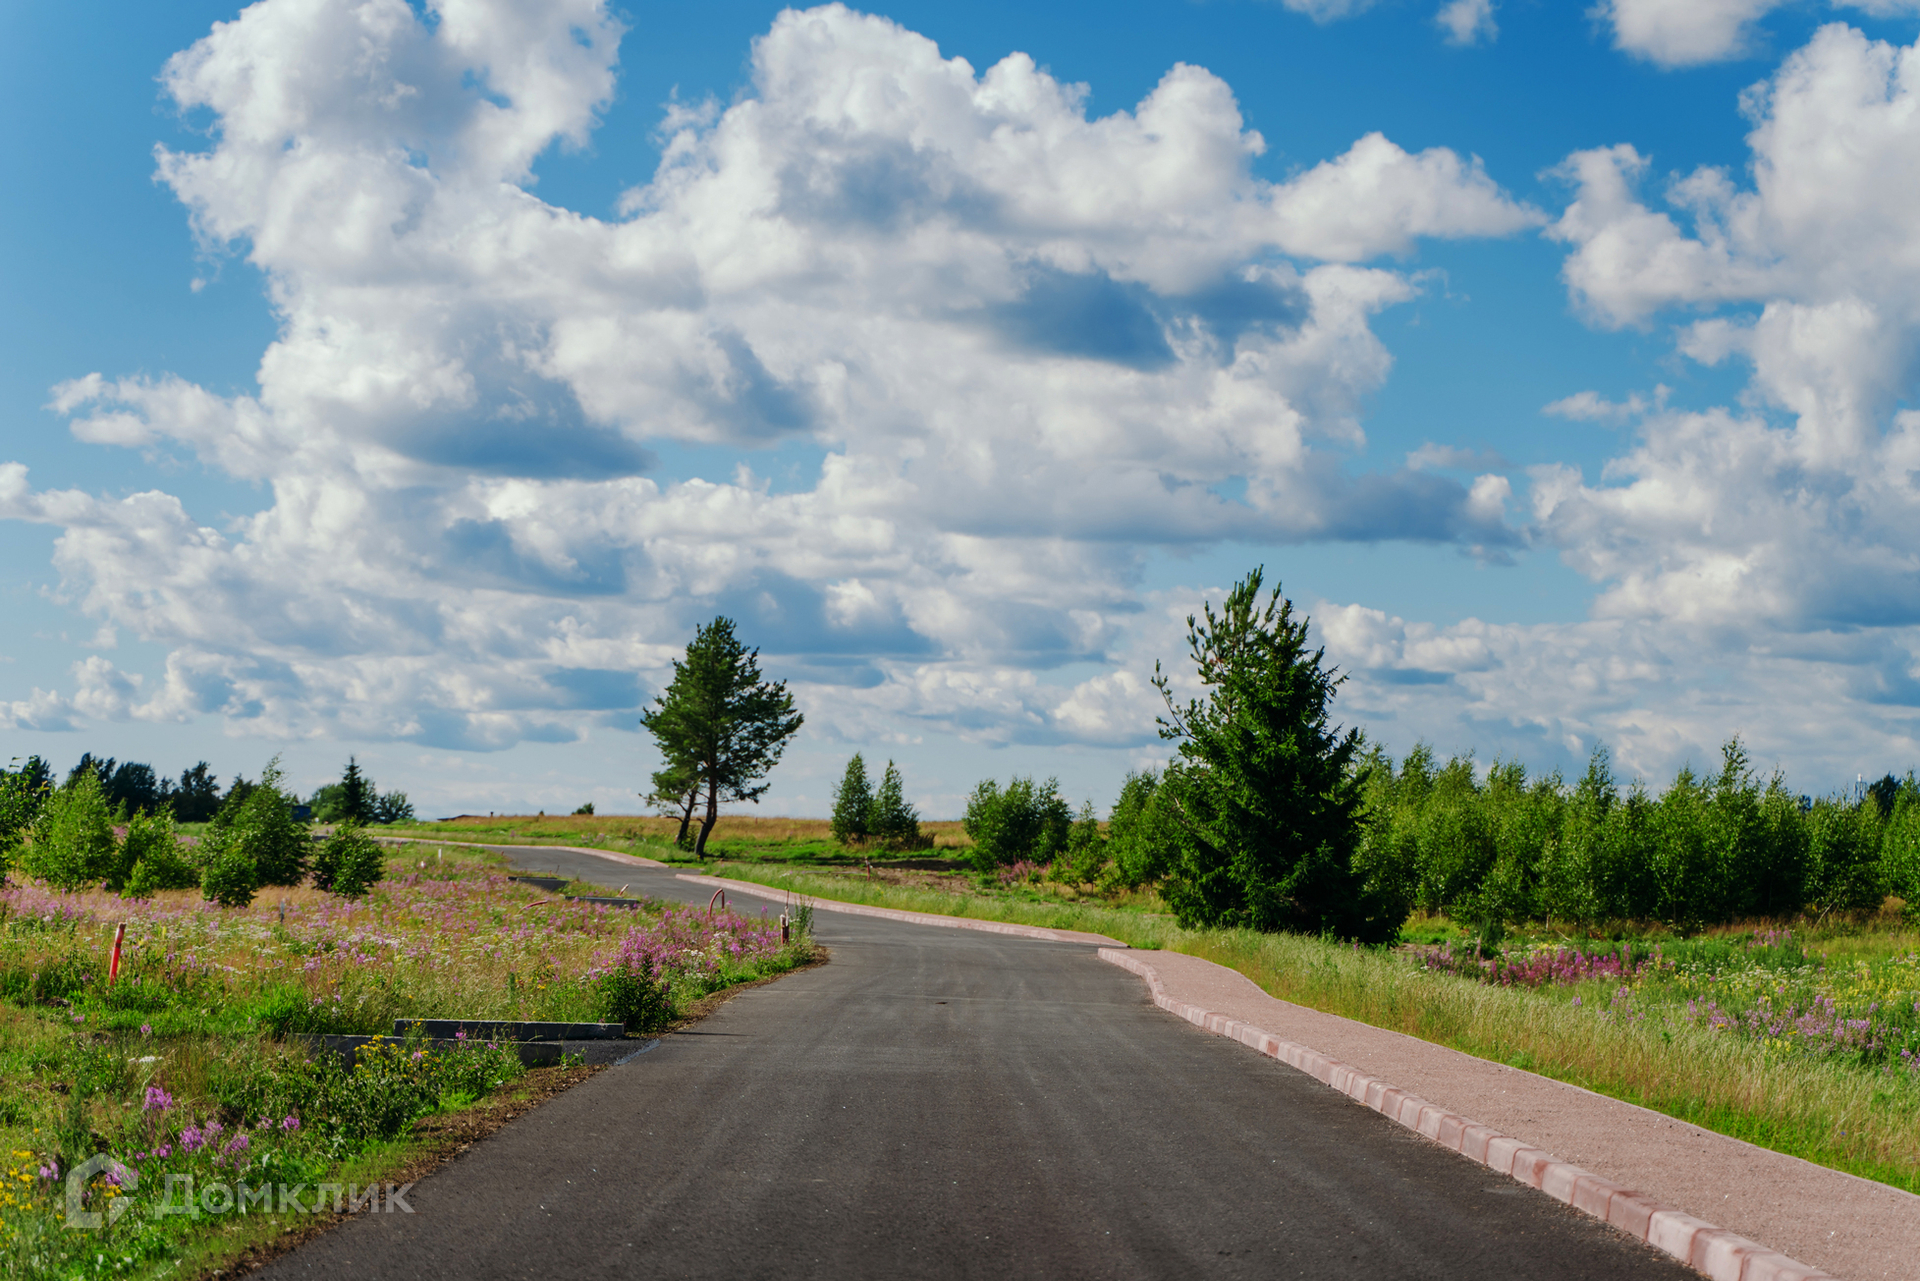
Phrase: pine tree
pixel 893 821
pixel 720 719
pixel 853 804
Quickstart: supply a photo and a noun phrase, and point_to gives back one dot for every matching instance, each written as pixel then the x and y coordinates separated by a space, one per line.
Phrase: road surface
pixel 948 1103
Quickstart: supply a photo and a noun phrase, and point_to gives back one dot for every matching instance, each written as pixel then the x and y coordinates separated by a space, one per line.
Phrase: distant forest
pixel 134 787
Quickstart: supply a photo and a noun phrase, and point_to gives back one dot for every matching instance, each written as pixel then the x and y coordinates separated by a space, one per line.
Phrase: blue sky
pixel 408 381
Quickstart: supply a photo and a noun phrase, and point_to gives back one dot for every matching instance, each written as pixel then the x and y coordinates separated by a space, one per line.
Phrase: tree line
pixel 77 836
pixel 133 787
pixel 1272 817
pixel 1708 850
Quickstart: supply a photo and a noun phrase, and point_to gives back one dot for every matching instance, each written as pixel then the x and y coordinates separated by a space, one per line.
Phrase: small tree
pixel 852 803
pixel 394 807
pixel 1086 854
pixel 356 795
pixel 264 831
pixel 894 821
pixel 1265 790
pixel 153 857
pixel 348 862
pixel 1021 822
pixel 73 841
pixel 1140 841
pixel 719 718
pixel 229 877
pixel 22 793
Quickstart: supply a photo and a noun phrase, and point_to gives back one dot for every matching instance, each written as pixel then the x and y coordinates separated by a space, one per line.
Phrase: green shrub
pixel 634 1000
pixel 1900 849
pixel 1021 822
pixel 1086 856
pixel 349 862
pixel 73 841
pixel 1843 857
pixel 152 850
pixel 389 1086
pixel 229 877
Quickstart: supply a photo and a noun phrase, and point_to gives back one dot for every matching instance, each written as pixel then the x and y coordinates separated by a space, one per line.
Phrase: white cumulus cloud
pixel 1014 343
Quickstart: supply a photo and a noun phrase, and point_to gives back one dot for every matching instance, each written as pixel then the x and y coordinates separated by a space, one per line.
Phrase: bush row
pixel 1708 850
pixel 67 838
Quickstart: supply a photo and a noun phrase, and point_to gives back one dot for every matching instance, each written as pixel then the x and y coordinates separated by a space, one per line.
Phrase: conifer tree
pixel 1266 791
pixel 720 719
pixel 853 804
pixel 356 795
pixel 893 821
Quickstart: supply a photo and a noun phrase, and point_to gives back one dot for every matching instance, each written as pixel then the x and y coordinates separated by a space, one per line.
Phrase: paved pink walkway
pixel 1850 1227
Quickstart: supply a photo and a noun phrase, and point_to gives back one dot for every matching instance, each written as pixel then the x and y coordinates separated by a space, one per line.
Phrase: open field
pixel 743 835
pixel 189 1064
pixel 1804 1040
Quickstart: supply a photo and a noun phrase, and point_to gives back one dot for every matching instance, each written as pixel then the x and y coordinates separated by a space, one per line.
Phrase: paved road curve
pixel 939 1103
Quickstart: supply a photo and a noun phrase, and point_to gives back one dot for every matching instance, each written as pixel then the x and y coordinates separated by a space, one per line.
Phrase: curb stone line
pixel 1720 1254
pixel 911 918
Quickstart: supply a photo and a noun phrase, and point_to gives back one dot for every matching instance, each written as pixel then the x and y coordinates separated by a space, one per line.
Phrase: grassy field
pixel 190 1063
pixel 802 840
pixel 1803 1040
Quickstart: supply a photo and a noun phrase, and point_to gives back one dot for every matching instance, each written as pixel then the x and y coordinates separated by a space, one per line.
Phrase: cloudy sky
pixel 410 380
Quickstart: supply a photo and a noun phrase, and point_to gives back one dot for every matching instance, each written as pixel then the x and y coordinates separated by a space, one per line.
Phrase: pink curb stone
pixel 912 918
pixel 1638 1170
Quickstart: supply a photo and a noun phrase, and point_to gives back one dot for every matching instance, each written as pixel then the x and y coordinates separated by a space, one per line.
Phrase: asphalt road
pixel 948 1103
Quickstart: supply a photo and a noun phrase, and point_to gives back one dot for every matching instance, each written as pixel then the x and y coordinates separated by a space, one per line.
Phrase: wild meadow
pixel 192 1059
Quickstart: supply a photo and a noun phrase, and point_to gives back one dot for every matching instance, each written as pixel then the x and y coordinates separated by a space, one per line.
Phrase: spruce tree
pixel 1265 791
pixel 356 795
pixel 853 804
pixel 893 821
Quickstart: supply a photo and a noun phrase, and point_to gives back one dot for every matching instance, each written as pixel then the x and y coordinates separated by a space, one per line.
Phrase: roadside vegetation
pixel 1727 951
pixel 197 1057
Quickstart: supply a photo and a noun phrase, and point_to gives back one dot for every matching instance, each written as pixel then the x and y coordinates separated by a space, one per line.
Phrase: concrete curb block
pixel 893 914
pixel 1714 1251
